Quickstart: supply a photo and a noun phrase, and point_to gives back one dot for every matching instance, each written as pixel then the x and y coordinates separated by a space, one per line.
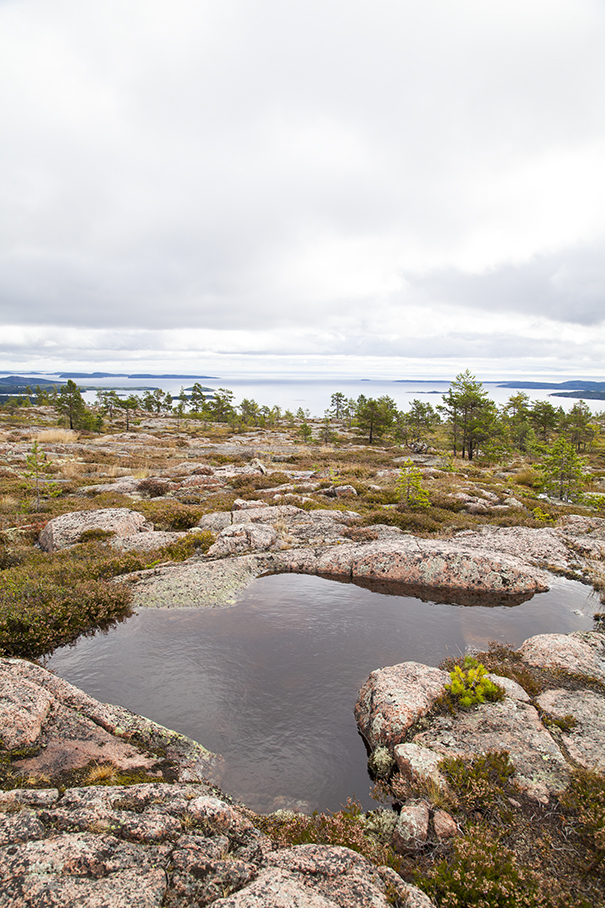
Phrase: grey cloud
pixel 568 286
pixel 174 165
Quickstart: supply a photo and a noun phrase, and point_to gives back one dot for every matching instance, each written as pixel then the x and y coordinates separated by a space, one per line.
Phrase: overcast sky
pixel 389 188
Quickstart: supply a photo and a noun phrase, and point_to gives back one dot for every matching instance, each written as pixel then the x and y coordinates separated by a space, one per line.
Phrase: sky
pixel 376 189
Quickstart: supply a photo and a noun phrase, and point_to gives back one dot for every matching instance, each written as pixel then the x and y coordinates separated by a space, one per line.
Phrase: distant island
pixel 570 384
pixel 575 388
pixel 135 375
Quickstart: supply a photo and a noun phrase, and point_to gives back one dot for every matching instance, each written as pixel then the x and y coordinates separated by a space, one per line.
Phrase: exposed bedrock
pixel 508 563
pixel 49 727
pixel 439 563
pixel 395 709
pixel 152 844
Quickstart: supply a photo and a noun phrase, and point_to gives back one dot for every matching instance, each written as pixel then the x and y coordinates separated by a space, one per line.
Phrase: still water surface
pixel 271 682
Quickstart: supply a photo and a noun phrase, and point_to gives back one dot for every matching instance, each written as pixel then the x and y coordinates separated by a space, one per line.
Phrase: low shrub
pixel 481 783
pixel 445 502
pixel 170 514
pixel 262 481
pixel 154 488
pixel 529 477
pixel 503 659
pixel 585 799
pixel 38 616
pixel 192 544
pixel 346 827
pixel 483 873
pixel 95 534
pixel 470 684
pixel 47 601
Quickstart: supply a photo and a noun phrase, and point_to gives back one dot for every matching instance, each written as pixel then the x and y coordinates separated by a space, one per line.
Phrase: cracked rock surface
pixel 170 845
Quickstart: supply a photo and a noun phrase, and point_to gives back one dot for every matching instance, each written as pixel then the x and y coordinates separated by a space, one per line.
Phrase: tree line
pixel 471 421
pixel 466 419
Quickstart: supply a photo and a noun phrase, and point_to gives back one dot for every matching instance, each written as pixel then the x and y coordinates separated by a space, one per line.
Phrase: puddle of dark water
pixel 271 682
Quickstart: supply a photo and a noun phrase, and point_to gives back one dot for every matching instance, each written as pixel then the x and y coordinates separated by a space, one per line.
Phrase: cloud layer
pixel 268 178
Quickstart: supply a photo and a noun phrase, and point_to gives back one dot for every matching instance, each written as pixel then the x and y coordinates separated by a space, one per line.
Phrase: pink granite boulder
pixel 67 529
pixel 394 698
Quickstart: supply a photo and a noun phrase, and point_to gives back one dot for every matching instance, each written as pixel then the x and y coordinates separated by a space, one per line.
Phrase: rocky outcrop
pixel 146 846
pixel 434 564
pixel 49 728
pixel 582 653
pixel 243 537
pixel 394 710
pixel 285 539
pixel 67 529
pixel 394 698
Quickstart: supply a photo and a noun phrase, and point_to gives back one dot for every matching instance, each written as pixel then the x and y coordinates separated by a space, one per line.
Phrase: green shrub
pixel 409 486
pixel 170 514
pixel 482 873
pixel 481 783
pixel 470 684
pixel 193 543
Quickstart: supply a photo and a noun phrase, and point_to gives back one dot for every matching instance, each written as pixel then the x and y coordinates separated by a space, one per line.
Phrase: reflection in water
pixel 271 682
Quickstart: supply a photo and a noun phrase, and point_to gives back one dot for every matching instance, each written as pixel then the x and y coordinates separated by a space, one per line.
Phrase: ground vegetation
pixel 430 471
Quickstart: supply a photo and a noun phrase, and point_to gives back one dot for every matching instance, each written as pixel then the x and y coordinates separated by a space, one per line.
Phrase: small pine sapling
pixel 409 487
pixel 470 684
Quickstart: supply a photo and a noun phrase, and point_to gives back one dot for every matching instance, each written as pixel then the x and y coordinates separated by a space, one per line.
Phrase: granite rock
pixel 66 530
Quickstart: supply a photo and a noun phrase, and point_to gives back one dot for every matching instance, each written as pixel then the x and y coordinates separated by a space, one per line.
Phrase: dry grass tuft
pixel 55 436
pixel 102 773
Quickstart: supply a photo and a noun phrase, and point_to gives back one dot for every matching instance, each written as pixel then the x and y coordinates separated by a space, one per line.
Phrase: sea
pixel 312 394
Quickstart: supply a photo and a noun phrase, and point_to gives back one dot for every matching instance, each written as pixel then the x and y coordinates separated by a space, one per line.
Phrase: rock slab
pixel 67 529
pixel 170 845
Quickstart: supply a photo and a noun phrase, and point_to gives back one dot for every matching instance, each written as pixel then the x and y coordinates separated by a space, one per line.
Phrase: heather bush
pixel 170 514
pixel 483 873
pixel 346 827
pixel 482 783
pixel 154 488
pixel 585 799
pixel 193 543
pixel 48 601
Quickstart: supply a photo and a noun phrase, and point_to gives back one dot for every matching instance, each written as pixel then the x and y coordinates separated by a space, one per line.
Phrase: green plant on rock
pixel 541 515
pixel 481 783
pixel 470 684
pixel 194 543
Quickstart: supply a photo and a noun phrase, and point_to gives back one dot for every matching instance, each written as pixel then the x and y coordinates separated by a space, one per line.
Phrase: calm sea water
pixel 314 393
pixel 271 682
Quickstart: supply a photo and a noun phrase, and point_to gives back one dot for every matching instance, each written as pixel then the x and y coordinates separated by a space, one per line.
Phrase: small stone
pixel 243 504
pixel 420 764
pixel 411 831
pixel 345 492
pixel 445 825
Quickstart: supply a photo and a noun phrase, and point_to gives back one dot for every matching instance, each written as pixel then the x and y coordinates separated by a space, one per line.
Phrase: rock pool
pixel 270 683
